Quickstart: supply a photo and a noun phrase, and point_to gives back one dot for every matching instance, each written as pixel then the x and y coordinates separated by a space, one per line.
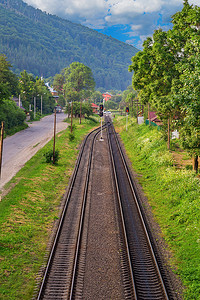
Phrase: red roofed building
pixel 107 96
pixel 153 117
pixel 95 108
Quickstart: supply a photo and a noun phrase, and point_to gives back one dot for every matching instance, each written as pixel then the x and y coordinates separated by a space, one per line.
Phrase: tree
pixel 111 105
pixel 42 93
pixel 8 80
pixel 96 97
pixel 130 102
pixel 58 83
pixel 185 41
pixel 188 97
pixel 26 85
pixel 142 67
pixel 79 79
pixel 157 69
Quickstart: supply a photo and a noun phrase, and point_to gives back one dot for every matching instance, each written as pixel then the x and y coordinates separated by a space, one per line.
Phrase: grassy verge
pixel 28 211
pixel 174 195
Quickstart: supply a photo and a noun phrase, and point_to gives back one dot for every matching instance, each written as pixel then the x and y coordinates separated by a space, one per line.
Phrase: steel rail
pixel 140 214
pixel 122 217
pixel 67 196
pixel 82 217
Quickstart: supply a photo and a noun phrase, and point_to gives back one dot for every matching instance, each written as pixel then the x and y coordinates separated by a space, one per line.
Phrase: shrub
pixel 11 114
pixel 49 156
pixel 71 136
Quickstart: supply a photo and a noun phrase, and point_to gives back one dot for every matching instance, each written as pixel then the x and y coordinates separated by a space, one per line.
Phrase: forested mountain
pixel 44 44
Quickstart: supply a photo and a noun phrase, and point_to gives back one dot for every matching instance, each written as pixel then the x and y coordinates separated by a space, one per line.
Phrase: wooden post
pixel 71 114
pixel 1 144
pixel 149 114
pixel 137 109
pixel 168 143
pixel 54 137
pixel 34 107
pixel 132 109
pixel 80 111
pixel 195 163
pixel 41 105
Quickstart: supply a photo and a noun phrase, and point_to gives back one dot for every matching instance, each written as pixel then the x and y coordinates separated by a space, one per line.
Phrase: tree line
pixel 75 85
pixel 28 89
pixel 167 76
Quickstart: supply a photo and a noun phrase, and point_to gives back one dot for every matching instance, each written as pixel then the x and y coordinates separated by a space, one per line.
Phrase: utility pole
pixel 149 114
pixel 19 103
pixel 101 116
pixel 168 143
pixel 127 111
pixel 34 107
pixel 1 144
pixel 54 136
pixel 80 111
pixel 71 114
pixel 137 109
pixel 41 105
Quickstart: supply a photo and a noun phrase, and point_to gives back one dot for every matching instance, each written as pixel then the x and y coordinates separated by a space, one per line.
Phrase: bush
pixel 49 156
pixel 71 136
pixel 11 114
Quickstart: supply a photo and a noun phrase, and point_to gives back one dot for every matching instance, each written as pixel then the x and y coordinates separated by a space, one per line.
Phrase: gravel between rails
pixel 103 278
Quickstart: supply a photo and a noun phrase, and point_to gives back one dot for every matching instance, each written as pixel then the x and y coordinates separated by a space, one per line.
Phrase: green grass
pixel 174 196
pixel 28 212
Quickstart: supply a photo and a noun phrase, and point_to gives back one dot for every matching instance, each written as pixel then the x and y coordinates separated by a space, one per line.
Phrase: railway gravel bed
pixel 103 278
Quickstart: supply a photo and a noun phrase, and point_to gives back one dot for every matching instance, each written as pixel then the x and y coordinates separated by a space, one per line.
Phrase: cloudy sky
pixel 130 21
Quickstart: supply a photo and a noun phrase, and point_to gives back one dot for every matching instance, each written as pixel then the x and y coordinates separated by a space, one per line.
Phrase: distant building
pixel 18 102
pixel 154 118
pixel 107 96
pixel 53 92
pixel 95 108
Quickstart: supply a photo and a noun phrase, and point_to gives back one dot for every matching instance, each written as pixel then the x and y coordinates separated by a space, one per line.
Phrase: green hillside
pixel 43 44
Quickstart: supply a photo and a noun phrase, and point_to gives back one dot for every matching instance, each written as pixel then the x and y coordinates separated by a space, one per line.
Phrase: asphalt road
pixel 19 148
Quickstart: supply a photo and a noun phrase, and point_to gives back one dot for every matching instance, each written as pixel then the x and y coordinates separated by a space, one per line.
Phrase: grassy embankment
pixel 28 211
pixel 174 195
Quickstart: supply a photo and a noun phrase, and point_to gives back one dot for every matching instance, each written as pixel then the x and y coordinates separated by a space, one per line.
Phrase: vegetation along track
pixel 66 272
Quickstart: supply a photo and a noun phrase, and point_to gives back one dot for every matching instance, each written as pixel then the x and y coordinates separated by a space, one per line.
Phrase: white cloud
pixel 194 2
pixel 107 12
pixel 142 16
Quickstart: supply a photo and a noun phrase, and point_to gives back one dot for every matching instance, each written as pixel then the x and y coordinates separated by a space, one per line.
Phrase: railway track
pixel 64 277
pixel 59 278
pixel 144 272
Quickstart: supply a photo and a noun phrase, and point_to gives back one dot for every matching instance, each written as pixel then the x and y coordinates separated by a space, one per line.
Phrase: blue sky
pixel 130 21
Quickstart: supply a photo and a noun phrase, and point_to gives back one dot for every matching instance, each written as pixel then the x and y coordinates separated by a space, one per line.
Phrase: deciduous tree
pixel 79 80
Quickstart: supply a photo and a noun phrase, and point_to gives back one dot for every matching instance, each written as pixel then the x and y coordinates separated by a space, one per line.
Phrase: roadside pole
pixel 41 105
pixel 34 107
pixel 101 116
pixel 54 137
pixel 71 115
pixel 101 138
pixel 127 111
pixel 1 144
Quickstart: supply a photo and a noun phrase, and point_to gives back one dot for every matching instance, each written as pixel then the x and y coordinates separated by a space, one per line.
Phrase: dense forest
pixel 43 44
